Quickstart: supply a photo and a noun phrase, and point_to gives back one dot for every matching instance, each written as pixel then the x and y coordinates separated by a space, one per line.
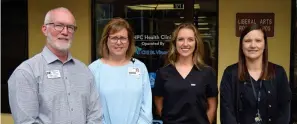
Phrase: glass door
pixel 153 21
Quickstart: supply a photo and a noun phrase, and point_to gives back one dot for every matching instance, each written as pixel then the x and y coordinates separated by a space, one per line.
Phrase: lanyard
pixel 258 98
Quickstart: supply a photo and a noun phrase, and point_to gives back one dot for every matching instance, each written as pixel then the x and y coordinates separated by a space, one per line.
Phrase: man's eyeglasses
pixel 115 39
pixel 60 27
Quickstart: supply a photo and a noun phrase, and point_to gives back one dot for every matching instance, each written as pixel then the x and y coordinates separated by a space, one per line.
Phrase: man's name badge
pixel 53 74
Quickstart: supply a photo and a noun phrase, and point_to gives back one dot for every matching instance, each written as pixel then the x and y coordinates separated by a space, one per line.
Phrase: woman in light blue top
pixel 122 81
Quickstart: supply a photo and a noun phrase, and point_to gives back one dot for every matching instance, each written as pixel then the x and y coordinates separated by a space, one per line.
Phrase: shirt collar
pixel 51 57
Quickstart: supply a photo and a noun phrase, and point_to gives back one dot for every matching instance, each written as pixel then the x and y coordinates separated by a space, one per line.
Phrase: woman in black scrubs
pixel 254 90
pixel 186 89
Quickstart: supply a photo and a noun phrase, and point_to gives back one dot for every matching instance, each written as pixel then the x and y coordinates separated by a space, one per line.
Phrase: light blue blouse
pixel 125 92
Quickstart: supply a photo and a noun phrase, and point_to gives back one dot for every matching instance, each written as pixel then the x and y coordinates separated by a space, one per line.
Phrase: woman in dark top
pixel 186 89
pixel 254 91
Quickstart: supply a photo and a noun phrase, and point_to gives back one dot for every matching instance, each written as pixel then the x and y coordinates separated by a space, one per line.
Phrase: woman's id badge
pixel 134 71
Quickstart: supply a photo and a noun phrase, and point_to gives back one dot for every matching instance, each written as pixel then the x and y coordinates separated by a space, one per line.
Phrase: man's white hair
pixel 48 15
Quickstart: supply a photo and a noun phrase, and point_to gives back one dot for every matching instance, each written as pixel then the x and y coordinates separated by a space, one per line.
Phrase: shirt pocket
pixel 198 88
pixel 49 88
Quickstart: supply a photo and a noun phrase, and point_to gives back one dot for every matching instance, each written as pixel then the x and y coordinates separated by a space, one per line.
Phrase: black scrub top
pixel 185 99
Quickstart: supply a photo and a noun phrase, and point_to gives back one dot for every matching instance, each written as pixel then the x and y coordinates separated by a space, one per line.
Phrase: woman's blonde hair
pixel 198 53
pixel 113 26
